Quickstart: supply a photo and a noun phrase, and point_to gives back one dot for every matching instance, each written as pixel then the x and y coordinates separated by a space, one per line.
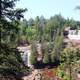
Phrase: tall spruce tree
pixel 10 60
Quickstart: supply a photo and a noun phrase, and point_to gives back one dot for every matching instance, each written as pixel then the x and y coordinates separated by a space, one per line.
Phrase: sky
pixel 48 8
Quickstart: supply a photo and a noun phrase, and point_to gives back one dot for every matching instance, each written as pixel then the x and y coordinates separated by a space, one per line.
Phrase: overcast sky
pixel 49 8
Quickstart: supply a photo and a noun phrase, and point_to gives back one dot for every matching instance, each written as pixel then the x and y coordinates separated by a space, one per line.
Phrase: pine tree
pixel 46 58
pixel 10 60
pixel 33 56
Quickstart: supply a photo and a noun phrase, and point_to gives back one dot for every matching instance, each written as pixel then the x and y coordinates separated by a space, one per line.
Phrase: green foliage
pixel 58 42
pixel 69 57
pixel 46 29
pixel 54 26
pixel 62 75
pixel 31 22
pixel 46 58
pixel 33 56
pixel 31 34
pixel 9 20
pixel 10 60
pixel 39 29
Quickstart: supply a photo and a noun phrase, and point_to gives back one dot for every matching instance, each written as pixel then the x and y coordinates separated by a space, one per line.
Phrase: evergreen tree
pixel 33 56
pixel 70 56
pixel 10 60
pixel 46 58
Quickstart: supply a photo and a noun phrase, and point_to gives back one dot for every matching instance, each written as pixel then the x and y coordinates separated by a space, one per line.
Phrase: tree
pixel 46 58
pixel 36 21
pixel 39 25
pixel 69 56
pixel 23 25
pixel 54 26
pixel 30 22
pixel 33 56
pixel 9 20
pixel 42 22
pixel 11 62
pixel 31 34
pixel 8 58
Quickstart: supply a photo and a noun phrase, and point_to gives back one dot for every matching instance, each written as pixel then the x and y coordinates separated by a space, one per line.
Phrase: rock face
pixel 78 76
pixel 39 50
pixel 25 54
pixel 72 37
pixel 42 74
pixel 34 76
